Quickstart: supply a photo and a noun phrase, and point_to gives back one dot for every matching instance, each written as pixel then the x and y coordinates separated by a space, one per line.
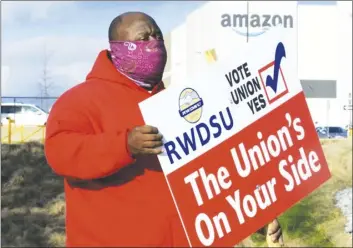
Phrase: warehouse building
pixel 322 36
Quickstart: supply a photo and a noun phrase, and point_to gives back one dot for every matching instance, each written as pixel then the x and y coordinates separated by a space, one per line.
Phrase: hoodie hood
pixel 103 69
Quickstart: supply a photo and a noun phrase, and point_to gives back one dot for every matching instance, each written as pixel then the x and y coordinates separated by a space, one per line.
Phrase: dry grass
pixel 315 221
pixel 33 202
pixel 32 199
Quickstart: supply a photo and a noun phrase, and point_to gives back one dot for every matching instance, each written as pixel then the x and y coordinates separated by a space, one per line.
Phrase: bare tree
pixel 46 83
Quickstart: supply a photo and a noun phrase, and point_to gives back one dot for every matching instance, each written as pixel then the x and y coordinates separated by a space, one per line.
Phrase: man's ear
pixel 109 56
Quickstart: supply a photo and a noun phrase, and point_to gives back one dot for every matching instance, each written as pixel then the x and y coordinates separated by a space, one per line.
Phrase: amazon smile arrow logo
pixel 259 24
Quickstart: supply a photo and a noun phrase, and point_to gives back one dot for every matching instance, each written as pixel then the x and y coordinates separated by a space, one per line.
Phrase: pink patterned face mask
pixel 141 61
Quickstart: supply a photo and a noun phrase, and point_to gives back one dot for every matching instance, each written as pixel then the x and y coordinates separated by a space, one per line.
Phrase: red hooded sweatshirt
pixel 111 199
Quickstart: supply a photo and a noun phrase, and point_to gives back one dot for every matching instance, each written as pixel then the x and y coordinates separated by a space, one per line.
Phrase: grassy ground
pixel 33 206
pixel 315 221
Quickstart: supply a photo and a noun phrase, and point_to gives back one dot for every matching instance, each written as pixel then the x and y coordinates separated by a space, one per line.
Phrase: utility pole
pixel 46 82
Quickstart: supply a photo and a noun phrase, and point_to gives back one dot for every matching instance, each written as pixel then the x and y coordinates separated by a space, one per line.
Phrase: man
pixel 116 193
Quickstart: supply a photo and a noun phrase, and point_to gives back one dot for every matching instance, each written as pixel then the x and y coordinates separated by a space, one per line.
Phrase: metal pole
pixel 22 134
pixel 350 111
pixel 9 131
pixel 14 109
pixel 327 115
pixel 43 134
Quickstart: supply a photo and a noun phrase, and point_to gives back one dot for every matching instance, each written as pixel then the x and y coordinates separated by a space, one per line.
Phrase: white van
pixel 23 114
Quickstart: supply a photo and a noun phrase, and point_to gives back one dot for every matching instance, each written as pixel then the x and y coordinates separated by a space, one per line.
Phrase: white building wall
pixel 344 73
pixel 325 53
pixel 178 54
pixel 324 43
pixel 190 40
pixel 204 30
pixel 317 42
pixel 317 55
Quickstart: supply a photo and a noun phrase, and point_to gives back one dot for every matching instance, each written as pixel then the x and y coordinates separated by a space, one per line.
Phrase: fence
pixel 19 134
pixel 17 126
pixel 13 131
pixel 44 103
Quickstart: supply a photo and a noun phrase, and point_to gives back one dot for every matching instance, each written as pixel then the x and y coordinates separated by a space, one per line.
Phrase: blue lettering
pixel 230 126
pixel 216 125
pixel 187 142
pixel 203 140
pixel 170 149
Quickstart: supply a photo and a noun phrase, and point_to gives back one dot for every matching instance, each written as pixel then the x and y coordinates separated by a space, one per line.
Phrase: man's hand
pixel 144 140
pixel 274 235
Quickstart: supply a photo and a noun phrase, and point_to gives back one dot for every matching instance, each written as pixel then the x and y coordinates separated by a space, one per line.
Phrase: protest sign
pixel 240 144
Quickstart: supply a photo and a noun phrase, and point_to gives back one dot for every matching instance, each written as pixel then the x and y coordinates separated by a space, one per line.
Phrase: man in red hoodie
pixel 116 193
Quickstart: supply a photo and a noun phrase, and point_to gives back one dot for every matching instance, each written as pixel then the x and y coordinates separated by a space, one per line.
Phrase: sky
pixel 69 36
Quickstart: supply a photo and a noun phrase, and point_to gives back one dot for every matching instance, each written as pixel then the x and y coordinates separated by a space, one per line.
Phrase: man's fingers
pixel 276 236
pixel 152 137
pixel 152 144
pixel 273 227
pixel 271 230
pixel 281 242
pixel 148 130
pixel 153 151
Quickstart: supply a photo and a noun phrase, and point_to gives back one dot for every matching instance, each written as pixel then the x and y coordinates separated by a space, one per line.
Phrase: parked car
pixel 331 132
pixel 23 114
pixel 321 132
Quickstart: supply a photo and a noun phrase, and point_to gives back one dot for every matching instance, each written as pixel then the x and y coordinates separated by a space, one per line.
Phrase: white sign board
pixel 240 144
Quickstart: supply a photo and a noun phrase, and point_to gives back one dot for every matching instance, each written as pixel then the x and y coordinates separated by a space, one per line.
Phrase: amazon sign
pixel 257 20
